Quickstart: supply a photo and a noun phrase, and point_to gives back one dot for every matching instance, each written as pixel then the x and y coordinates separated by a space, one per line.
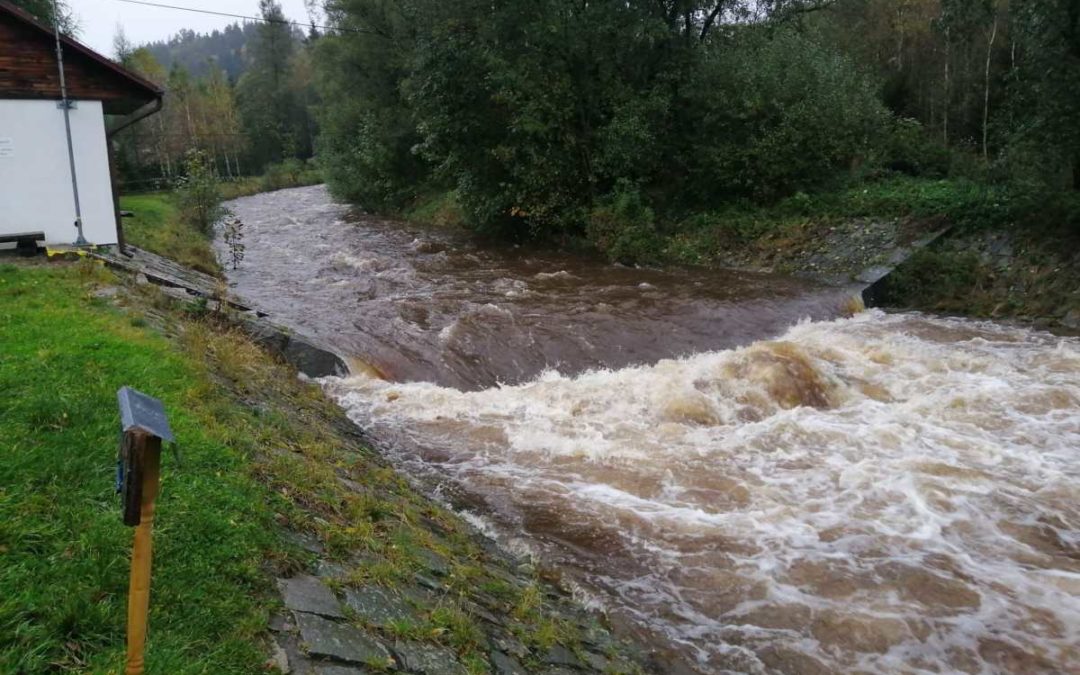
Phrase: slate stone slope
pixel 300 351
pixel 332 632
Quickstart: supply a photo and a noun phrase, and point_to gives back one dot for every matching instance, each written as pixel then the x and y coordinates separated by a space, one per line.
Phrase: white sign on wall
pixel 7 147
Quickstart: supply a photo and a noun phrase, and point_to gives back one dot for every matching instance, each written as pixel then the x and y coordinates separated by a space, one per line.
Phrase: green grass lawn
pixel 156 227
pixel 63 550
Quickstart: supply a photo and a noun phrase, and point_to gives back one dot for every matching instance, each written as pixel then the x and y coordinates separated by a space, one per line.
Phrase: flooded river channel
pixel 724 461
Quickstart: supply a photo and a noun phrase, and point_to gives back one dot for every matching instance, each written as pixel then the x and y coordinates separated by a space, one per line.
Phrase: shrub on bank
pixel 623 227
pixel 198 195
pixel 290 173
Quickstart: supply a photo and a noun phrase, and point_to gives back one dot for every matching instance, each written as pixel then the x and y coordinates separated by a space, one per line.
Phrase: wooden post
pixel 144 425
pixel 147 454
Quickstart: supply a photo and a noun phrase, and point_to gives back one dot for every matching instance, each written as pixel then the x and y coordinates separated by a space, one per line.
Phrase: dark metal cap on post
pixel 144 425
pixel 143 413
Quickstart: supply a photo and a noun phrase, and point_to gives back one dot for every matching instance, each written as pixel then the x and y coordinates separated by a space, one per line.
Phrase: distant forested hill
pixel 195 51
pixel 242 98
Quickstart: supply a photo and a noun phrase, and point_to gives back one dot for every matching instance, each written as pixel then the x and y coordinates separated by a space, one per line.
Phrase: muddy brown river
pixel 749 479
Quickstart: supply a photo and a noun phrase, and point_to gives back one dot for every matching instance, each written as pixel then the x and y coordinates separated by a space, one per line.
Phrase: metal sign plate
pixel 146 413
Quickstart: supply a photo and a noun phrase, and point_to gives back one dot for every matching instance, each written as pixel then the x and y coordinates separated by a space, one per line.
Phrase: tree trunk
pixel 900 40
pixel 986 92
pixel 945 106
pixel 162 147
pixel 191 125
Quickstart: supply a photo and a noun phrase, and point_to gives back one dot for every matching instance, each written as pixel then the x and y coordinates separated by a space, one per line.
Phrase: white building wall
pixel 35 179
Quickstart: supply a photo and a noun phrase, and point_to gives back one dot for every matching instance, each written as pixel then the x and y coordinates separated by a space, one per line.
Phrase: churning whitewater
pixel 882 493
pixel 886 492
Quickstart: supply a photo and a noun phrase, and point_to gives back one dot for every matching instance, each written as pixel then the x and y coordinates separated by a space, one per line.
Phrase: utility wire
pixel 240 16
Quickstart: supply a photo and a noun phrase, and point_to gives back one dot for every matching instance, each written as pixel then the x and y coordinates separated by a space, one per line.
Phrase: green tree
pixel 1045 92
pixel 368 129
pixel 931 57
pixel 221 121
pixel 774 113
pixel 273 116
pixel 147 142
pixel 43 10
pixel 122 47
pixel 538 112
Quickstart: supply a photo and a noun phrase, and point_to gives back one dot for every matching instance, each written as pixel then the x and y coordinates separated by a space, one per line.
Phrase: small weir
pixel 728 463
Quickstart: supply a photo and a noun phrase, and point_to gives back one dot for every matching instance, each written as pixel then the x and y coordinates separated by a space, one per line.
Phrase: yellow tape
pixel 68 252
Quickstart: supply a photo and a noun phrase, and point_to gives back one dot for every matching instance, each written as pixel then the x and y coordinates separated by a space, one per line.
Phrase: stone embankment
pixel 859 252
pixel 187 284
pixel 332 628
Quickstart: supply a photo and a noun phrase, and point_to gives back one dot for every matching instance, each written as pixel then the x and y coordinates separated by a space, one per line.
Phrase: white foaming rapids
pixel 361 263
pixel 887 492
pixel 561 274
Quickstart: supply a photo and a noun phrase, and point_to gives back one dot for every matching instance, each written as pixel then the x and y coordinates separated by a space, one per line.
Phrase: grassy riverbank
pixel 63 579
pixel 287 174
pixel 1028 272
pixel 1009 254
pixel 157 226
pixel 747 234
pixel 266 460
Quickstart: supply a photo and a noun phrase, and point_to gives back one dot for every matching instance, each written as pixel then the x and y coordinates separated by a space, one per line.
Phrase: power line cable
pixel 241 16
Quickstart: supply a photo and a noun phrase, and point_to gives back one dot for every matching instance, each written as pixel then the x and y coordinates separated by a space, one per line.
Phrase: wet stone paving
pixel 330 628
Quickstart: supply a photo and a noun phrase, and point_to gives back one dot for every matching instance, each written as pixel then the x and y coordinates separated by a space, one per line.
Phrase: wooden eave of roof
pixel 28 71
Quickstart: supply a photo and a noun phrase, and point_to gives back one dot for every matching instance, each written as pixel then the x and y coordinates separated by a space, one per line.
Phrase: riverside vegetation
pixel 243 97
pixel 179 224
pixel 685 130
pixel 663 131
pixel 671 131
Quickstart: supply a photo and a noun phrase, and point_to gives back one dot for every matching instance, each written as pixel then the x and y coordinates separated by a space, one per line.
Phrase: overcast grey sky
pixel 98 18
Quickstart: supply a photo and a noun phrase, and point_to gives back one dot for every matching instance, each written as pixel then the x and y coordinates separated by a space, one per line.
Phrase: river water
pixel 749 479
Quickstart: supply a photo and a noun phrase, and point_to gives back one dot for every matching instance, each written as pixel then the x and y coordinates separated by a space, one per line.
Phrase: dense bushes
pixel 624 228
pixel 550 118
pixel 290 173
pixel 368 134
pixel 773 113
pixel 620 120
